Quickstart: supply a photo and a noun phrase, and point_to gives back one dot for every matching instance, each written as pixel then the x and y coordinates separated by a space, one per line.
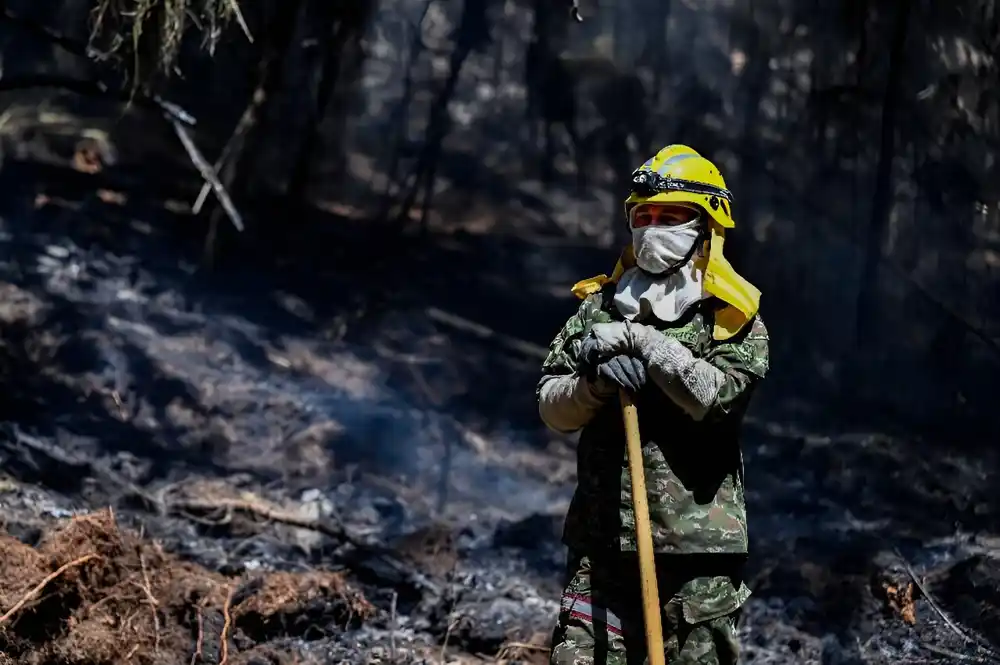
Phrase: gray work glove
pixel 617 371
pixel 692 383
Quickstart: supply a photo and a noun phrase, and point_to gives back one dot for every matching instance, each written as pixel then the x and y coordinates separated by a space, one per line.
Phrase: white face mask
pixel 660 248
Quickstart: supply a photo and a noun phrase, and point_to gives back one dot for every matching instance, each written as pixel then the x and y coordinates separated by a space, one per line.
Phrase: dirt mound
pixel 91 593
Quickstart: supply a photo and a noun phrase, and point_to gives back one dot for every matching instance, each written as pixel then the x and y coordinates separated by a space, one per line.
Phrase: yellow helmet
pixel 678 174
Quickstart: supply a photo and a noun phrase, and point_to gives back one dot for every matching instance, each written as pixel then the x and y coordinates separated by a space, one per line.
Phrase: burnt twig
pixel 207 172
pixel 447 636
pixel 948 653
pixel 220 163
pixel 234 145
pixel 259 509
pixel 239 19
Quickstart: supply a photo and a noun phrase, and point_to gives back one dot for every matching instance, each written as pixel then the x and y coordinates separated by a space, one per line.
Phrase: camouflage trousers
pixel 601 623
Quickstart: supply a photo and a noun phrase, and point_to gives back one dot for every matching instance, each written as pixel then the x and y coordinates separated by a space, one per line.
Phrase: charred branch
pixel 207 172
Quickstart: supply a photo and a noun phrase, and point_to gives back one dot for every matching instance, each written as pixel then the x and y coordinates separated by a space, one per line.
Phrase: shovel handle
pixel 643 534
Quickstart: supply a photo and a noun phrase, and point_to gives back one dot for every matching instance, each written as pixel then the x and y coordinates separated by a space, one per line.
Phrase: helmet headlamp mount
pixel 648 183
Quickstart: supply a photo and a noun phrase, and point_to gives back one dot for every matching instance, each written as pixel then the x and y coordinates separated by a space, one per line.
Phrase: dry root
pixel 126 599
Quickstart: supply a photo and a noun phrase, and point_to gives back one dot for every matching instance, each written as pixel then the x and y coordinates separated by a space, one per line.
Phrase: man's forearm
pixel 567 402
pixel 693 384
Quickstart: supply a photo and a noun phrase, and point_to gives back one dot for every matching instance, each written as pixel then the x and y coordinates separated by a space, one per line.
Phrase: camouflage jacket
pixel 694 469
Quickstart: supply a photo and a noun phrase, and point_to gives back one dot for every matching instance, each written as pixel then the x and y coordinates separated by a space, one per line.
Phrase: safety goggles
pixel 660 214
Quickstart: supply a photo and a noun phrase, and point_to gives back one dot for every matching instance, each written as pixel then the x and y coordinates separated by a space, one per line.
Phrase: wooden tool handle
pixel 643 534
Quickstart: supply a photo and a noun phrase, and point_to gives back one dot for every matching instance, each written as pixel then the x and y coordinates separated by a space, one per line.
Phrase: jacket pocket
pixel 707 598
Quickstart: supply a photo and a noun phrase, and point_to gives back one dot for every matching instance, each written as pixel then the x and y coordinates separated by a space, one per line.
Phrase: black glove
pixel 622 371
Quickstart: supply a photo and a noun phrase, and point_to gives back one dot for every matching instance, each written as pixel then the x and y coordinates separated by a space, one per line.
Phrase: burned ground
pixel 279 465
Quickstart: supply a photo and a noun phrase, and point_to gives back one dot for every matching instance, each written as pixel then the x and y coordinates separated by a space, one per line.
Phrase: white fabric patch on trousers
pixel 581 607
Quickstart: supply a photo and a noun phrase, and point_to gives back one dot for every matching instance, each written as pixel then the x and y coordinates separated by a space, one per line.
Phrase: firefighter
pixel 679 329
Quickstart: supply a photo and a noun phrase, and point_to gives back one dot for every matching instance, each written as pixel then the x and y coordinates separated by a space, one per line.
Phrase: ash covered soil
pixel 241 468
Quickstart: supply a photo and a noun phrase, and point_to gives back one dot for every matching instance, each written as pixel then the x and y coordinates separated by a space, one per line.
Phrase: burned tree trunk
pixel 755 79
pixel 549 86
pixel 867 301
pixel 237 164
pixel 472 32
pixel 400 118
pixel 340 64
